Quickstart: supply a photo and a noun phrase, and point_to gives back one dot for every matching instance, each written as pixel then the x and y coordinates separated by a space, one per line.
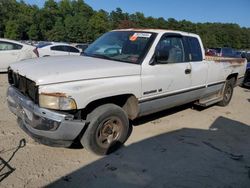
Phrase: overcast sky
pixel 225 11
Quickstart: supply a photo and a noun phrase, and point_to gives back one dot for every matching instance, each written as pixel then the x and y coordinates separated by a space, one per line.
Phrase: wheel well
pixel 234 75
pixel 128 102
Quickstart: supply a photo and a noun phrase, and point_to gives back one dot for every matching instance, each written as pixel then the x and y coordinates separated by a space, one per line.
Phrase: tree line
pixel 75 21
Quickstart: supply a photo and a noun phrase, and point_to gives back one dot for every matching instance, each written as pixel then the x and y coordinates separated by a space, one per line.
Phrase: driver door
pixel 165 82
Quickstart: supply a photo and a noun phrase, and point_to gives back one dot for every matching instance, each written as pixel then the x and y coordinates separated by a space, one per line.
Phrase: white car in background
pixel 12 51
pixel 55 49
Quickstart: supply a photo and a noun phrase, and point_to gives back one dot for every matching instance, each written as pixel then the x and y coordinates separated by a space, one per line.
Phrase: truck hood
pixel 49 70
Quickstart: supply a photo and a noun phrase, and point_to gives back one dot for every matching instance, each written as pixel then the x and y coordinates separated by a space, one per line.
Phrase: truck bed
pixel 225 59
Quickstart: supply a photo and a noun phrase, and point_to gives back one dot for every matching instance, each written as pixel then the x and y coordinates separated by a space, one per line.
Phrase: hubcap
pixel 109 132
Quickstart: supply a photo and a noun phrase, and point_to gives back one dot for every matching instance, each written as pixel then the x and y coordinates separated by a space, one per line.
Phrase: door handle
pixel 187 71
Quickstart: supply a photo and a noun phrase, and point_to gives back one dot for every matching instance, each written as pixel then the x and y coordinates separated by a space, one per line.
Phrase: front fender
pixel 86 91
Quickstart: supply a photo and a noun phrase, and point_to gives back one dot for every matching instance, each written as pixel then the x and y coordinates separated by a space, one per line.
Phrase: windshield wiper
pixel 105 57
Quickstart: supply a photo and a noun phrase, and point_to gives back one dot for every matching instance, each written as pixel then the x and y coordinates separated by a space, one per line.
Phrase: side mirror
pixel 161 56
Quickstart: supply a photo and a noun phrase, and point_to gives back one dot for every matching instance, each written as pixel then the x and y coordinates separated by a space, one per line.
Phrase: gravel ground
pixel 181 147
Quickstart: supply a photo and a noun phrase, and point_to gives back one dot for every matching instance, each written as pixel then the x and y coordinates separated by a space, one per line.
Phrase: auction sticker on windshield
pixel 141 35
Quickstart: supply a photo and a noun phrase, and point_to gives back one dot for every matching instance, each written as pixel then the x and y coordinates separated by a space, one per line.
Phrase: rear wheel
pixel 246 82
pixel 227 93
pixel 107 130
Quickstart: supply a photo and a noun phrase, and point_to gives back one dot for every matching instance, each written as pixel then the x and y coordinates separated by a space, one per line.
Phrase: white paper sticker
pixel 141 35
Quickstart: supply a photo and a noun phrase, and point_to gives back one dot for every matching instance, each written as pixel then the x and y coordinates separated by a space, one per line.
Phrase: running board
pixel 209 102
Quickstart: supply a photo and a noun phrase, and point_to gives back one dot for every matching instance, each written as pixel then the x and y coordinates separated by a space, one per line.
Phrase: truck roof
pixel 159 31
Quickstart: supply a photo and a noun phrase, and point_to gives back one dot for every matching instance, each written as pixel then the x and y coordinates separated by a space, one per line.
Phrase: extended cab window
pixel 195 49
pixel 9 46
pixel 173 48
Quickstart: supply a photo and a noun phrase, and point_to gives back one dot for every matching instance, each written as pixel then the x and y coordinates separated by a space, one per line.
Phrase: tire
pixel 108 128
pixel 246 82
pixel 227 93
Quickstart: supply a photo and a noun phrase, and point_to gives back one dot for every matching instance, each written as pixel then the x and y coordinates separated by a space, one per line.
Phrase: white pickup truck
pixel 123 75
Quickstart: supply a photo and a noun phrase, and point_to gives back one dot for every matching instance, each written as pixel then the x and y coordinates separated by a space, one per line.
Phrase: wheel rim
pixel 228 93
pixel 109 132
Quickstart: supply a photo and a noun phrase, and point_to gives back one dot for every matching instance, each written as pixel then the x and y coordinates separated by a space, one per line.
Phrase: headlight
pixel 57 101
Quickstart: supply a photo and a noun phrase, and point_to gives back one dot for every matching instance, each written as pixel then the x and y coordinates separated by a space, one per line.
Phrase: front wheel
pixel 227 93
pixel 108 128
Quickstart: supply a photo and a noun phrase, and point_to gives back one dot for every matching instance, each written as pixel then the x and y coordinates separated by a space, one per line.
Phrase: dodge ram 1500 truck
pixel 123 75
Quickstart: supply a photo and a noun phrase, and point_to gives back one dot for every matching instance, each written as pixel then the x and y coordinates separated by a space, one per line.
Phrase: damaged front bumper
pixel 46 126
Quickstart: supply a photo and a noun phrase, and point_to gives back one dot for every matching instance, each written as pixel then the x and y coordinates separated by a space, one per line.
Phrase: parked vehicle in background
pixel 82 46
pixel 55 49
pixel 123 75
pixel 226 52
pixel 246 55
pixel 12 51
pixel 246 82
pixel 238 54
pixel 210 52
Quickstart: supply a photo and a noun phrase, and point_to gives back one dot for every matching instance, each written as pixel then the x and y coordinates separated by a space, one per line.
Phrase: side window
pixel 66 48
pixel 195 49
pixel 58 48
pixel 9 46
pixel 173 48
pixel 73 50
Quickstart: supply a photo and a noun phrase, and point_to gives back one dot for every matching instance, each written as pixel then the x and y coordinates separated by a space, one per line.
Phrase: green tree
pixel 116 17
pixel 33 32
pixel 12 30
pixel 161 23
pixel 47 17
pixel 76 28
pixel 125 24
pixel 7 13
pixel 57 33
pixel 173 24
pixel 65 8
pixel 98 24
pixel 79 7
pixel 139 19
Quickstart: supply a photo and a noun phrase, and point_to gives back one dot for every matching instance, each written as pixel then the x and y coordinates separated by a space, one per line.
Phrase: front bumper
pixel 45 126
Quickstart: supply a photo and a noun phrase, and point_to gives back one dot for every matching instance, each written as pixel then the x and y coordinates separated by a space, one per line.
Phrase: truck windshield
pixel 124 46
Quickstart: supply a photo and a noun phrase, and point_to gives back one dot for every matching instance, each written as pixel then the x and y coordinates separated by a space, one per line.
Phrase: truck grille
pixel 24 85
